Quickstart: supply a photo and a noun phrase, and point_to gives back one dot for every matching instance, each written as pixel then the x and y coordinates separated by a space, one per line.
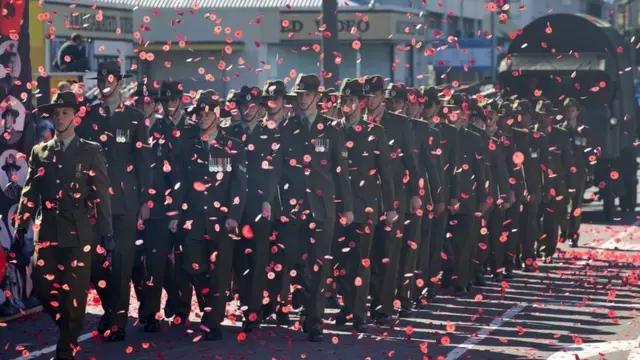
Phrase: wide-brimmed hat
pixel 350 87
pixel 431 94
pixel 545 107
pixel 306 83
pixel 492 105
pixel 571 102
pixel 506 109
pixel 274 88
pixel 521 107
pixel 396 91
pixel 60 100
pixel 456 102
pixel 414 95
pixel 11 162
pixel 170 90
pixel 144 91
pixel 329 95
pixel 373 83
pixel 250 94
pixel 206 100
pixel 110 68
pixel 10 111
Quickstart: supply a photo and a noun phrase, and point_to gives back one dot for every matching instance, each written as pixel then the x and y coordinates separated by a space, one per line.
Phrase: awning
pixel 554 62
pixel 211 46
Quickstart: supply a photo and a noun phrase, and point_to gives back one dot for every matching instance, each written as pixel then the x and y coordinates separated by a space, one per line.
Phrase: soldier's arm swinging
pixel 30 196
pixel 100 185
pixel 143 158
pixel 341 173
pixel 238 193
pixel 385 172
pixel 431 162
pixel 410 160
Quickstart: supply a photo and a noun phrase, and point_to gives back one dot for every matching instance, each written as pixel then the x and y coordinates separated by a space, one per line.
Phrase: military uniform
pixel 561 172
pixel 251 262
pixel 388 240
pixel 68 184
pixel 214 189
pixel 585 157
pixel 181 131
pixel 373 194
pixel 315 178
pixel 124 137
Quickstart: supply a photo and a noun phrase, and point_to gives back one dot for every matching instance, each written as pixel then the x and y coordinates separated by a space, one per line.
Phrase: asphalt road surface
pixel 584 306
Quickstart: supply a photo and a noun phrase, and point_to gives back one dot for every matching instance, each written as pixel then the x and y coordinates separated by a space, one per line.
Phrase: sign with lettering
pixel 91 23
pixel 368 25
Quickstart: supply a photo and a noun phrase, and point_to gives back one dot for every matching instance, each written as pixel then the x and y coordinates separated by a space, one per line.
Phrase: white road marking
pixel 598 349
pixel 611 243
pixel 485 331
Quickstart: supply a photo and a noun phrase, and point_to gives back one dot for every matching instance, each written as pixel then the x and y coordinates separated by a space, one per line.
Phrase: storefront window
pixel 435 21
pixel 469 28
pixel 101 58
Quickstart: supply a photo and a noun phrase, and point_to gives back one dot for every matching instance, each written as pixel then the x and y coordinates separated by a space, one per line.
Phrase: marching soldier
pixel 329 104
pixel 561 173
pixel 68 183
pixel 516 150
pixel 180 131
pixel 315 178
pixel 465 217
pixel 501 193
pixel 430 262
pixel 585 158
pixel 124 136
pixel 536 159
pixel 264 165
pixel 371 184
pixel 231 108
pixel 213 175
pixel 418 229
pixel 388 240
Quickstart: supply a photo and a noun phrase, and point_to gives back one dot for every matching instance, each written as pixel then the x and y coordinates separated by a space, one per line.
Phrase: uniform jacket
pixel 403 158
pixel 164 165
pixel 264 165
pixel 68 188
pixel 124 138
pixel 582 143
pixel 516 141
pixel 315 173
pixel 449 159
pixel 497 175
pixel 370 172
pixel 427 140
pixel 470 171
pixel 561 161
pixel 213 183
pixel 537 163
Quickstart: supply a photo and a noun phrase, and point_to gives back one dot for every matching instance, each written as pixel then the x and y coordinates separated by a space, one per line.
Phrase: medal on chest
pixel 78 170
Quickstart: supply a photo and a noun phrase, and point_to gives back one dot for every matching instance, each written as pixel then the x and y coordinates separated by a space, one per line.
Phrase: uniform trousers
pixel 416 240
pixel 571 223
pixel 179 289
pixel 115 276
pixel 208 262
pixel 552 213
pixel 464 230
pixel 385 259
pixel 61 279
pixel 529 223
pixel 512 227
pixel 352 269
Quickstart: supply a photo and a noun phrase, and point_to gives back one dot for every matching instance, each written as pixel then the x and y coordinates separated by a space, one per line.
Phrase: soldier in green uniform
pixel 388 240
pixel 516 150
pixel 430 262
pixel 67 184
pixel 315 178
pixel 329 104
pixel 124 136
pixel 372 185
pixel 536 159
pixel 213 178
pixel 585 158
pixel 417 230
pixel 470 173
pixel 180 131
pixel 561 173
pixel 261 140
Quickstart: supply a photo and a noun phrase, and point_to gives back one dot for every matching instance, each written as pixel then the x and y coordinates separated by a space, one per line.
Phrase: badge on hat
pixel 60 101
pixel 168 92
pixel 104 72
pixel 301 86
pixel 347 91
pixel 393 93
pixel 367 87
pixel 248 97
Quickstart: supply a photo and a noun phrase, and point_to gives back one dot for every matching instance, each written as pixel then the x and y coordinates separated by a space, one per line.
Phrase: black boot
pixel 152 325
pixel 498 277
pixel 282 318
pixel 314 333
pixel 341 317
pixel 103 323
pixel 359 325
pixel 116 336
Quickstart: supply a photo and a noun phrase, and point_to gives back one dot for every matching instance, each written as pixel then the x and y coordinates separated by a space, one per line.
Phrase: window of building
pixel 469 28
pixel 101 58
pixel 453 26
pixel 435 21
pixel 594 9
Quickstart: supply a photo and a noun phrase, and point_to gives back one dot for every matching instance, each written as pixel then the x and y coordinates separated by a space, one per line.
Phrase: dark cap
pixel 477 111
pixel 396 91
pixel 110 68
pixel 431 94
pixel 571 102
pixel 250 94
pixel 206 100
pixel 11 162
pixel 273 88
pixel 373 83
pixel 506 109
pixel 456 101
pixel 306 83
pixel 350 87
pixel 144 91
pixel 521 107
pixel 492 105
pixel 545 107
pixel 170 90
pixel 59 100
pixel 232 96
pixel 415 95
pixel 329 95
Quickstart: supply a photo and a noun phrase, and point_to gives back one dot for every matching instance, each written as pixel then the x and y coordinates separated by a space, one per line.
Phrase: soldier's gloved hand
pixel 266 210
pixel 484 207
pixel 416 204
pixel 20 237
pixel 231 224
pixel 439 209
pixel 173 226
pixel 590 181
pixel 144 211
pixel 454 205
pixel 348 216
pixel 108 243
pixel 391 217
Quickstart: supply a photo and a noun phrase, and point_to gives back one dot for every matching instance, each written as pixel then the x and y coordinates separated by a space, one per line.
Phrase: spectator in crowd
pixel 71 56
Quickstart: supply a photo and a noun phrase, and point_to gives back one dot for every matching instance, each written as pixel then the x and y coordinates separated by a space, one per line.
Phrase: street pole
pixel 494 45
pixel 358 59
pixel 633 8
pixel 330 44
